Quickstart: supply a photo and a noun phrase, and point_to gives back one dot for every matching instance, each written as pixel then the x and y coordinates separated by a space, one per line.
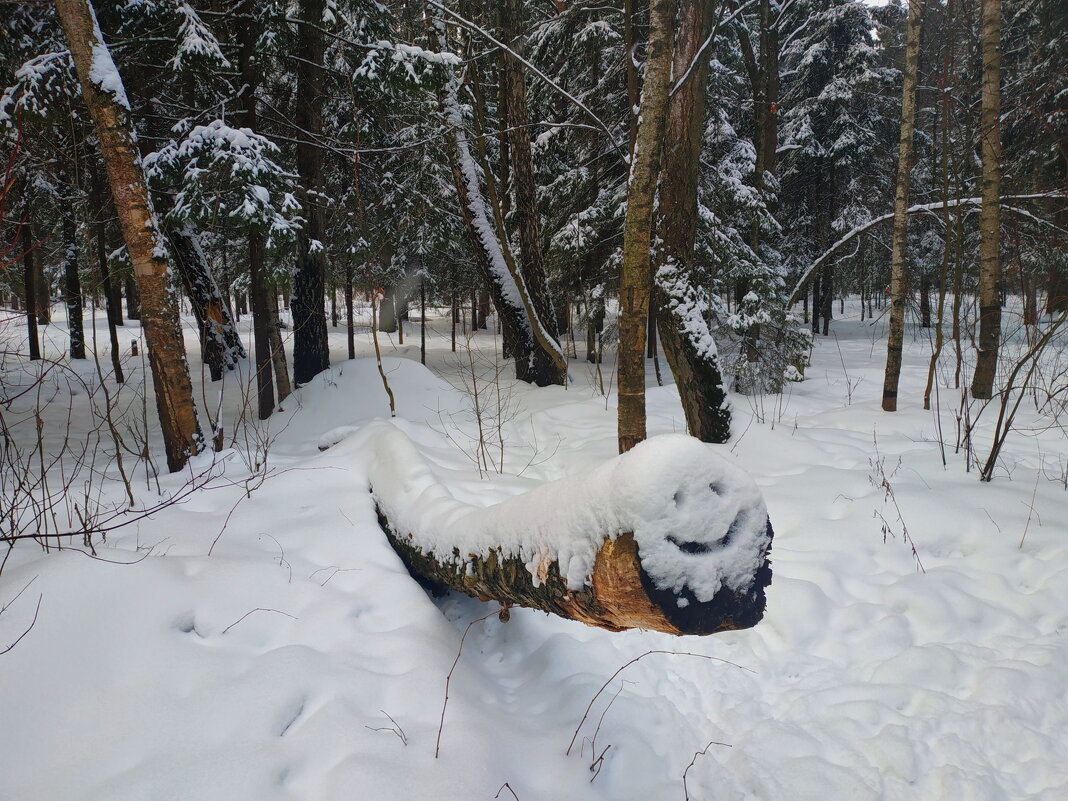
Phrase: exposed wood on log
pixel 620 595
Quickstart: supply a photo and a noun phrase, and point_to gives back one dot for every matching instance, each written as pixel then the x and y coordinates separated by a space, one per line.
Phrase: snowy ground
pixel 269 645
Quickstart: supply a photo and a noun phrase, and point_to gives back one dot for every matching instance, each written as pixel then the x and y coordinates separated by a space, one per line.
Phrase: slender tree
pixel 635 281
pixel 899 253
pixel 986 361
pixel 106 99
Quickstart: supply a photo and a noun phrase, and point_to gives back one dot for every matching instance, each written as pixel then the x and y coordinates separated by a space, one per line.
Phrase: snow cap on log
pixel 668 536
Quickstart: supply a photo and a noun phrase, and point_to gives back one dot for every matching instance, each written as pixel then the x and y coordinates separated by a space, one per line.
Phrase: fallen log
pixel 669 536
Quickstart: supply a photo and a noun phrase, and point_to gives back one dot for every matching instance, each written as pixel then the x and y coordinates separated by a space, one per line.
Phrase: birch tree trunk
pixel 986 361
pixel 684 333
pixel 106 99
pixel 635 281
pixel 899 253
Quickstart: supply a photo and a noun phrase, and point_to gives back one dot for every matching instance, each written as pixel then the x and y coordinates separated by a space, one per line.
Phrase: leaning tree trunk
pixel 112 298
pixel 547 370
pixel 986 361
pixel 484 224
pixel 72 288
pixel 106 99
pixel 684 332
pixel 311 353
pixel 689 557
pixel 219 339
pixel 635 280
pixel 899 254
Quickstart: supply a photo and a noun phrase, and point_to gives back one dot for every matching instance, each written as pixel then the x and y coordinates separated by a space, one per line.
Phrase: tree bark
pixel 899 252
pixel 29 283
pixel 107 105
pixel 219 339
pixel 635 281
pixel 278 351
pixel 684 334
pixel 311 353
pixel 72 288
pixel 986 361
pixel 547 369
pixel 112 299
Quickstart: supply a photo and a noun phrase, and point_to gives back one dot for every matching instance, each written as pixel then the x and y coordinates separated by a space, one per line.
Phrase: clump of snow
pixel 700 522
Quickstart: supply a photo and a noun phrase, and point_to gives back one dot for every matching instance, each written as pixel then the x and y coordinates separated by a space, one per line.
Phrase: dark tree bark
pixel 29 283
pixel 547 369
pixel 259 282
pixel 72 288
pixel 133 298
pixel 311 354
pixel 219 340
pixel 111 295
pixel 692 360
pixel 166 350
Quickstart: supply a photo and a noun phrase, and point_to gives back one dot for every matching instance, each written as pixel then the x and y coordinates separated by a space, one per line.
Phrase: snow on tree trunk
pixel 899 254
pixel 219 338
pixel 669 536
pixel 684 332
pixel 106 99
pixel 524 331
pixel 635 281
pixel 986 361
pixel 72 288
pixel 517 124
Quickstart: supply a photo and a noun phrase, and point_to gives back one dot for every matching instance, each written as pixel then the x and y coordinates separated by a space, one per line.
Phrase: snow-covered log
pixel 669 536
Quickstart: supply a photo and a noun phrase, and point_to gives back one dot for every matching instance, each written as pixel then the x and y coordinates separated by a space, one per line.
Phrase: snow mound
pixel 700 522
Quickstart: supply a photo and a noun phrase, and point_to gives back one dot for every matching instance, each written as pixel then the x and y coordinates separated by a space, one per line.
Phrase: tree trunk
pixel 311 353
pixel 112 299
pixel 899 254
pixel 29 278
pixel 106 99
pixel 278 352
pixel 684 333
pixel 484 224
pixel 261 325
pixel 546 368
pixel 483 309
pixel 72 288
pixel 350 325
pixel 220 342
pixel 133 298
pixel 635 280
pixel 986 362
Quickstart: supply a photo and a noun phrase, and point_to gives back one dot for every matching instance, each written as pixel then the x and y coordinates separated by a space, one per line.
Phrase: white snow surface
pixel 669 491
pixel 285 661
